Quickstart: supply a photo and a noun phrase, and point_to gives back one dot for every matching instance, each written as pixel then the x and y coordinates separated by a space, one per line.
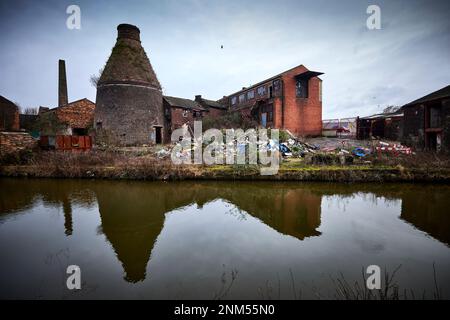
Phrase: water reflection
pixel 133 214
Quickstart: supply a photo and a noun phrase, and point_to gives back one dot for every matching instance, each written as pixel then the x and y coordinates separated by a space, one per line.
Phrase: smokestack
pixel 62 84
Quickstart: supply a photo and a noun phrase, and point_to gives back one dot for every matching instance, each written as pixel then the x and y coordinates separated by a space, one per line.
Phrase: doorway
pixel 158 135
pixel 264 119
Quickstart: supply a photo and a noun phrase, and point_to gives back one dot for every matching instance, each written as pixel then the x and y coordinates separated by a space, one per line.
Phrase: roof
pixel 4 101
pixel 383 116
pixel 276 76
pixel 46 109
pixel 439 94
pixel 213 104
pixel 183 103
pixel 128 62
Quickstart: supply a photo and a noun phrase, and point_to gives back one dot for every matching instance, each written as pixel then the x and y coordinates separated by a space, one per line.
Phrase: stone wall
pixel 13 142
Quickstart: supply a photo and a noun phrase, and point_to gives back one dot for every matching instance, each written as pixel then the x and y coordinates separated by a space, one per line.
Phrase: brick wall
pixel 77 114
pixel 302 116
pixel 12 142
pixel 181 116
pixel 9 115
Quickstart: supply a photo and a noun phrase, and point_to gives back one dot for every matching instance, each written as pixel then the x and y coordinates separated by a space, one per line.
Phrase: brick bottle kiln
pixel 129 108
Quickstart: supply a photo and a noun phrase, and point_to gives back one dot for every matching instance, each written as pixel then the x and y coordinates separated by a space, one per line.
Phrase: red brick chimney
pixel 62 84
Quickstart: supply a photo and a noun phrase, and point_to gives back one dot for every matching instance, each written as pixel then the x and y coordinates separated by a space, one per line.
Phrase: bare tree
pixel 30 111
pixel 96 77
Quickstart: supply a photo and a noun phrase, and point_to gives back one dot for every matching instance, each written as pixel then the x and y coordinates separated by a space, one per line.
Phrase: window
pixel 270 92
pixel 250 94
pixel 276 85
pixel 302 88
pixel 185 113
pixel 270 116
pixel 99 125
pixel 242 98
pixel 233 100
pixel 320 90
pixel 261 91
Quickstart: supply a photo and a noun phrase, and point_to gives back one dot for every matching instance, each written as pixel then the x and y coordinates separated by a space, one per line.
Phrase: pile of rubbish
pixel 346 148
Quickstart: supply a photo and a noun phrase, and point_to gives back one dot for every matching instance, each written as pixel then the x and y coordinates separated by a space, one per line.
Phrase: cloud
pixel 405 60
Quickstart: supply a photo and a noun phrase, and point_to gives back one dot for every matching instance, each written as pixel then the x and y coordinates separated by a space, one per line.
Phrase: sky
pixel 364 70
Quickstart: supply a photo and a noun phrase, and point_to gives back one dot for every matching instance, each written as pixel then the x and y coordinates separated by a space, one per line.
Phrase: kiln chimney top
pixel 128 31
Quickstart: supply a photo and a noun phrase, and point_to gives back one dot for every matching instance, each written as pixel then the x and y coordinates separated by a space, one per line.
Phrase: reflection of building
pixel 428 212
pixel 133 214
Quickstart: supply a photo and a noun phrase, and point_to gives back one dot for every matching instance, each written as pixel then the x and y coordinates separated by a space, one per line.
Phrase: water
pixel 209 240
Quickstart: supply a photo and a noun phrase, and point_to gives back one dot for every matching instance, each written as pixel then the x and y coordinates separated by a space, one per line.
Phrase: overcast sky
pixel 365 70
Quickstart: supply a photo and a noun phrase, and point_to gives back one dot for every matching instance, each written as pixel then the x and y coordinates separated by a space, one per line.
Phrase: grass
pixel 143 164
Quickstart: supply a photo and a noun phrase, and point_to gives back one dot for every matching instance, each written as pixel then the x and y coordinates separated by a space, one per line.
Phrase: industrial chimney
pixel 62 84
pixel 129 108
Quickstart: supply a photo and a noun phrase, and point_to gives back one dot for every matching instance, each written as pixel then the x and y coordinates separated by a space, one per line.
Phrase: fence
pixel 66 142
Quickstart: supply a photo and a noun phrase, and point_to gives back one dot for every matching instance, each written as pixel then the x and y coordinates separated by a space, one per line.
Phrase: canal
pixel 219 240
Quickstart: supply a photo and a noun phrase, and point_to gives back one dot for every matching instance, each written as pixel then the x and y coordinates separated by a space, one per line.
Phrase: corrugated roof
pixel 183 103
pixel 439 94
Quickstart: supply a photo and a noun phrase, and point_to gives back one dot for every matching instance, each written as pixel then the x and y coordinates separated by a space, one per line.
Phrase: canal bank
pixel 167 172
pixel 148 164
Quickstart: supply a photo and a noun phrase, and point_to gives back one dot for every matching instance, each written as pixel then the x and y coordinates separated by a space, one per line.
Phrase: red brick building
pixel 180 111
pixel 75 118
pixel 212 108
pixel 9 115
pixel 291 100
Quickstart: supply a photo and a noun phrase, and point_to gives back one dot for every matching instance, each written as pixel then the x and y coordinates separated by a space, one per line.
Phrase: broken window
pixel 233 100
pixel 250 94
pixel 301 87
pixel 276 85
pixel 270 92
pixel 261 91
pixel 242 98
pixel 185 113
